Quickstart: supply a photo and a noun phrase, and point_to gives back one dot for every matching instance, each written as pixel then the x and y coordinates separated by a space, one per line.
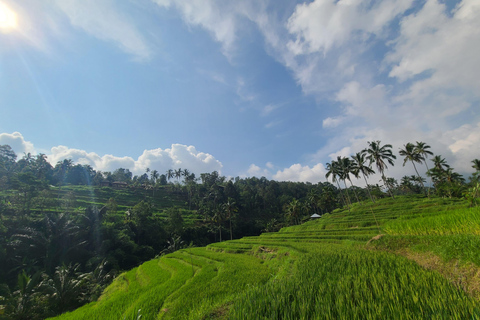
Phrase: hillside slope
pixel 362 264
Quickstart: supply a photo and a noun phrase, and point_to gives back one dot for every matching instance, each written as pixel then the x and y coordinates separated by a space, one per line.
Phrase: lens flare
pixel 8 18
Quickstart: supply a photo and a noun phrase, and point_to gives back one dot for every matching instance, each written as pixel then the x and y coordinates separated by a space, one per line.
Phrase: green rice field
pixel 341 266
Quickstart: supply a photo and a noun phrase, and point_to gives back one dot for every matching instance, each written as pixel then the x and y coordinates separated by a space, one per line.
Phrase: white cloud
pixel 17 142
pixel 217 17
pixel 102 163
pixel 178 156
pixel 323 24
pixel 268 109
pixel 301 173
pixel 344 152
pixel 256 171
pixel 332 122
pixel 103 20
pixel 447 46
pixel 464 143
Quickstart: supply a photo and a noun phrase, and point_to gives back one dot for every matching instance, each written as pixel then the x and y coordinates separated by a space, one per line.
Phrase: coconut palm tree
pixel 361 167
pixel 440 163
pixel 411 154
pixel 422 149
pixel 313 199
pixel 154 176
pixel 230 208
pixel 476 165
pixel 178 173
pixel 170 174
pixel 293 210
pixel 378 154
pixel 406 184
pixel 347 168
pixel 66 287
pixel 332 170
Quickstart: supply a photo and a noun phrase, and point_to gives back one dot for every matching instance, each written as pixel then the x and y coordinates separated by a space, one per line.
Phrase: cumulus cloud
pixel 447 46
pixel 17 142
pixel 323 24
pixel 463 143
pixel 101 163
pixel 103 20
pixel 422 86
pixel 297 172
pixel 256 171
pixel 178 156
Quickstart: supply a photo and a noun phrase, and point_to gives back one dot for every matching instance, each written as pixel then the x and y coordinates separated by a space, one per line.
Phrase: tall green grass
pixel 317 270
pixel 341 283
pixel 459 221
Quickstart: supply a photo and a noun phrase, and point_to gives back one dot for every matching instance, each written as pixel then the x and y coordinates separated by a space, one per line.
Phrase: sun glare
pixel 8 18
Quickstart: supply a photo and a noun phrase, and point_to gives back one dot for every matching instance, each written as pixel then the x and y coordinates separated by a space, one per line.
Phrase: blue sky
pixel 264 88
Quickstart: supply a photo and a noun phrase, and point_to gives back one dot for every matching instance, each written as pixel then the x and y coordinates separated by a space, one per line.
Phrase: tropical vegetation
pixel 67 231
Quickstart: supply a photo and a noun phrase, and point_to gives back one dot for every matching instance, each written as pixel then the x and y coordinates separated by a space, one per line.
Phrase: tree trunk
pixel 368 189
pixel 341 196
pixel 355 192
pixel 420 179
pixel 346 191
pixel 388 187
pixel 220 231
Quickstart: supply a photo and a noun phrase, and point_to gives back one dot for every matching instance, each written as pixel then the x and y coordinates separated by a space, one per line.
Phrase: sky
pixel 270 88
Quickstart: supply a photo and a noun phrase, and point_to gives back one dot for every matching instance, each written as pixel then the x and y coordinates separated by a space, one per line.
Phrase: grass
pixel 334 282
pixel 459 221
pixel 322 269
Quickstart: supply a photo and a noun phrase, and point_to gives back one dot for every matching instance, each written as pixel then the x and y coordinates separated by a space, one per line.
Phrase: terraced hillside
pixel 369 263
pixel 56 198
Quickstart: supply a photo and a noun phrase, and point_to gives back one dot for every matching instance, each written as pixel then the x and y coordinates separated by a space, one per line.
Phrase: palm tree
pixel 476 165
pixel 178 173
pixel 65 287
pixel 154 176
pixel 313 199
pixel 422 149
pixel 332 170
pixel 52 242
pixel 293 210
pixel 219 218
pixel 440 163
pixel 347 167
pixel 230 208
pixel 170 174
pixel 360 166
pixel 378 154
pixel 411 154
pixel 406 183
pixel 23 303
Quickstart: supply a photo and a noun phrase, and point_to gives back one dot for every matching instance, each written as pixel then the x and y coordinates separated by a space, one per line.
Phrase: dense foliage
pixel 322 269
pixel 66 230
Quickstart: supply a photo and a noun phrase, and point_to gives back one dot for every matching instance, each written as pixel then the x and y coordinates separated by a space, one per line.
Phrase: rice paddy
pixel 322 269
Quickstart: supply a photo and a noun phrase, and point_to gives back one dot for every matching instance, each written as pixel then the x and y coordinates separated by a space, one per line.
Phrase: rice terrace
pixel 425 265
pixel 239 159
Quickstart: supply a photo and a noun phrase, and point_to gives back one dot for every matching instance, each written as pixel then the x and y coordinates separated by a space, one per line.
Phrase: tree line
pixel 57 255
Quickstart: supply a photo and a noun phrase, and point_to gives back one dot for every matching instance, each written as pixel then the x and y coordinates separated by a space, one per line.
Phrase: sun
pixel 8 18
